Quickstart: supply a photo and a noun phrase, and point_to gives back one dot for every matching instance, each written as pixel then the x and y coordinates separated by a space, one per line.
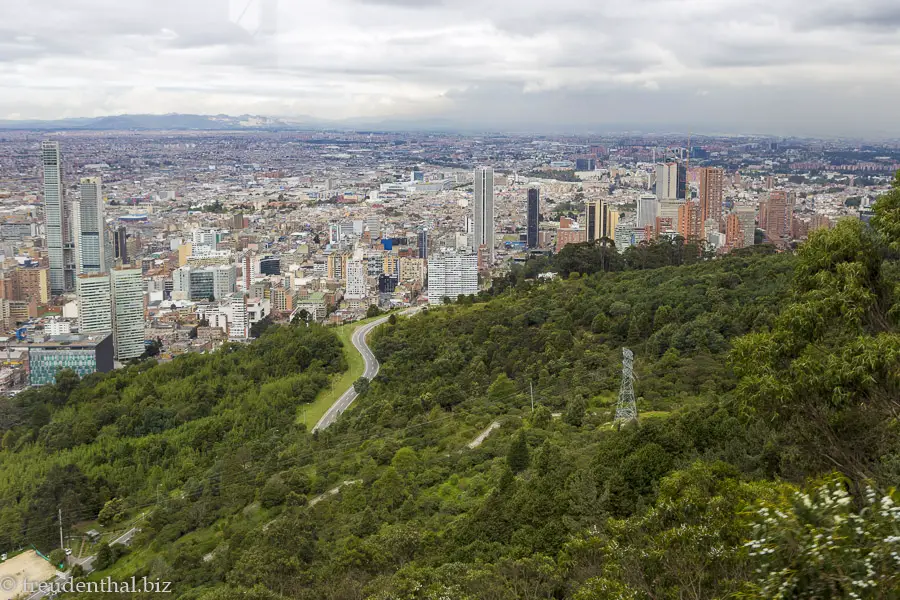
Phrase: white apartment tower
pixel 128 313
pixel 95 304
pixel 450 275
pixel 239 327
pixel 484 211
pixel 356 280
pixel 89 231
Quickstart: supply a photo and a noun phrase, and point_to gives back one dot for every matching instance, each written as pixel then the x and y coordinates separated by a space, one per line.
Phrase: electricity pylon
pixel 626 408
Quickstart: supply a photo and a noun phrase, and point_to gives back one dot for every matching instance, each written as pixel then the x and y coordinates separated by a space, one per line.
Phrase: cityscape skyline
pixel 762 66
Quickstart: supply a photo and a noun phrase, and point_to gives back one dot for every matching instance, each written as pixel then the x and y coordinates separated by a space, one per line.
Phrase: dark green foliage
pixel 737 362
pixel 517 456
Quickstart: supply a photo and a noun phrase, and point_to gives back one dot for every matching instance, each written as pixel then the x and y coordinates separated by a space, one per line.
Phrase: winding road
pixel 371 370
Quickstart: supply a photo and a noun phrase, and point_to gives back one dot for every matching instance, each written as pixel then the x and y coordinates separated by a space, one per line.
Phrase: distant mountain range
pixel 186 122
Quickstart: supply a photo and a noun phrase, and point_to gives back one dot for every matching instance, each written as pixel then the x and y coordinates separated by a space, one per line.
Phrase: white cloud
pixel 764 65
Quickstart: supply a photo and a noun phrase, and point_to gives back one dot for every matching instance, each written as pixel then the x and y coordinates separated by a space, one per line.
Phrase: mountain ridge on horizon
pixel 247 122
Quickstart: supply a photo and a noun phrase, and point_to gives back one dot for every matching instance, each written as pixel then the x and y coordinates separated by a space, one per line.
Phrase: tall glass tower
pixel 484 210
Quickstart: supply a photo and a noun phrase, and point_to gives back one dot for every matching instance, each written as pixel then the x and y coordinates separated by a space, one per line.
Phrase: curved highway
pixel 371 370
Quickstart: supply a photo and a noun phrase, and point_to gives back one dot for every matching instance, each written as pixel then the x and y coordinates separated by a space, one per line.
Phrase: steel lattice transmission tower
pixel 626 408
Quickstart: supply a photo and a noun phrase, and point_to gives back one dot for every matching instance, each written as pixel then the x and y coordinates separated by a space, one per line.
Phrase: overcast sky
pixel 829 67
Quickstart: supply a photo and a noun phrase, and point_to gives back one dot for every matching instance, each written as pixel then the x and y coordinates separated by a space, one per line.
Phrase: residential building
pixel 128 313
pixel 30 284
pixel 356 288
pixel 689 223
pixel 712 186
pixel 94 293
pixel 239 327
pixel 450 275
pixel 747 217
pixel 569 232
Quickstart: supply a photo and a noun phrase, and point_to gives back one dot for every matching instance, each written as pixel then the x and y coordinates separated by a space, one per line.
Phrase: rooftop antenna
pixel 626 408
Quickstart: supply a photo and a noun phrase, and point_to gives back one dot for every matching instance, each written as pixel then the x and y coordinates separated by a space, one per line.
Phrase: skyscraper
pixel 121 245
pixel 779 215
pixel 55 224
pixel 484 211
pixel 423 244
pixel 89 234
pixel 601 219
pixel 534 212
pixel 647 210
pixel 95 303
pixel 128 313
pixel 689 223
pixel 671 181
pixel 712 182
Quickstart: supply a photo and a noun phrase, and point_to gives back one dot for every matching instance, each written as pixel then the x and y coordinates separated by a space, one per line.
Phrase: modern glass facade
pixel 79 353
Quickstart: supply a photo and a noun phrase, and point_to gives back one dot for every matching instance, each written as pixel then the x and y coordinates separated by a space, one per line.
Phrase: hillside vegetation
pixel 761 467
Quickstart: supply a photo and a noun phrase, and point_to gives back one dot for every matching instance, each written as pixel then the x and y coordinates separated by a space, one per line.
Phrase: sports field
pixel 27 566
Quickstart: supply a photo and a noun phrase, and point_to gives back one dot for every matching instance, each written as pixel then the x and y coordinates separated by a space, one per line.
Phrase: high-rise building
pixel 779 215
pixel 30 284
pixel 356 288
pixel 56 225
pixel 647 210
pixel 484 211
pixel 534 215
pixel 224 281
pixel 120 238
pixel 747 218
pixel 422 243
pixel 450 275
pixel 671 181
pixel 94 303
pixel 602 219
pixel 712 182
pixel 239 327
pixel 689 223
pixel 128 313
pixel 90 230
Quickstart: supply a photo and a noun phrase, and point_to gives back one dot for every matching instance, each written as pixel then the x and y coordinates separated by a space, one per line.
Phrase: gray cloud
pixel 740 65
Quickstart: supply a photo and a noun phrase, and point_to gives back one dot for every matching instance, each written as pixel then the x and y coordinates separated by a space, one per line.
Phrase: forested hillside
pixel 761 466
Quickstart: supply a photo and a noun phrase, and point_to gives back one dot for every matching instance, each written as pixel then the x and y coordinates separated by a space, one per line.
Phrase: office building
pixel 601 218
pixel 450 275
pixel 671 181
pixel 94 293
pixel 84 354
pixel 387 284
pixel 56 225
pixel 712 186
pixel 120 242
pixel 128 313
pixel 534 215
pixel 90 231
pixel 484 212
pixel 422 243
pixel 270 266
pixel 224 281
pixel 647 210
